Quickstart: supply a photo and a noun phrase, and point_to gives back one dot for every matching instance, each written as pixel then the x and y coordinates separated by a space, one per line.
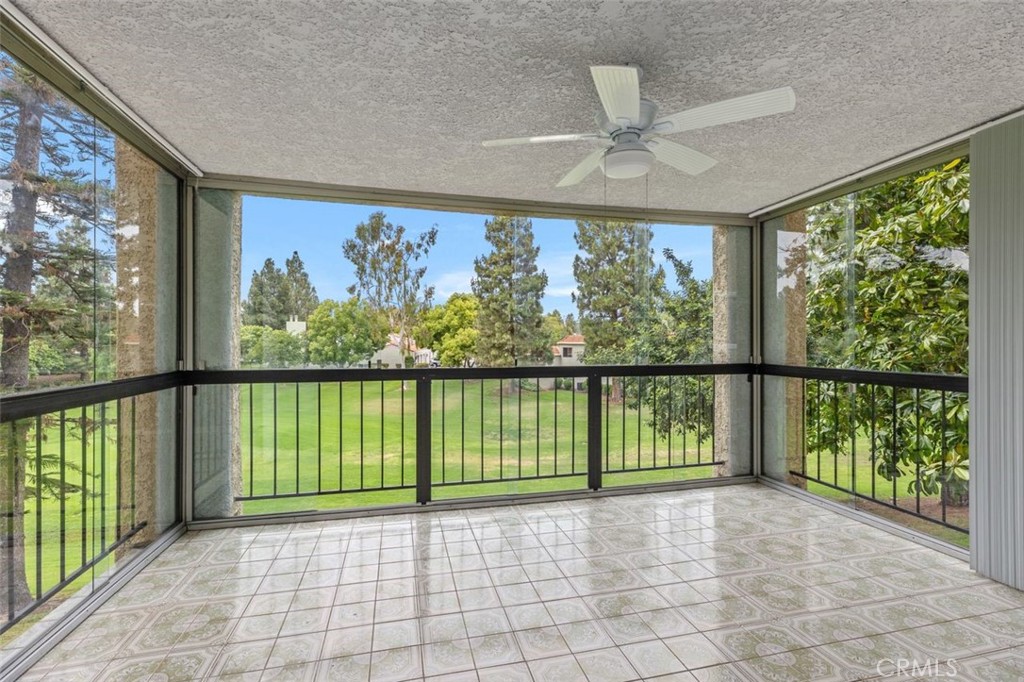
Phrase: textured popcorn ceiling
pixel 399 95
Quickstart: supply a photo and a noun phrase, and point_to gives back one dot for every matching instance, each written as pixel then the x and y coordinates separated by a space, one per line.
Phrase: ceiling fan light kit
pixel 630 127
pixel 627 160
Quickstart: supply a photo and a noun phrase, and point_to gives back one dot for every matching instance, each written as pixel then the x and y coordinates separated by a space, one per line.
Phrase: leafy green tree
pixel 45 358
pixel 267 347
pixel 556 327
pixel 509 287
pixel 344 333
pixel 887 290
pixel 450 330
pixel 678 332
pixel 389 277
pixel 618 286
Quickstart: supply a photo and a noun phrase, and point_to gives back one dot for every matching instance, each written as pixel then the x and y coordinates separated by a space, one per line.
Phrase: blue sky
pixel 273 228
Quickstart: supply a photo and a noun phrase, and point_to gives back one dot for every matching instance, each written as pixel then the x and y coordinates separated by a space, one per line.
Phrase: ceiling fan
pixel 633 134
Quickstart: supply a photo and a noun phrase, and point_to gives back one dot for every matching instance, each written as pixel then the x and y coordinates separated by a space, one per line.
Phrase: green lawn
pixel 91 519
pixel 482 435
pixel 838 470
pixel 481 430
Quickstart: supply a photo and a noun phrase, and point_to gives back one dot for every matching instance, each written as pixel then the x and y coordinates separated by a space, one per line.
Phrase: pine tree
pixel 509 287
pixel 266 304
pixel 618 286
pixel 300 295
pixel 48 149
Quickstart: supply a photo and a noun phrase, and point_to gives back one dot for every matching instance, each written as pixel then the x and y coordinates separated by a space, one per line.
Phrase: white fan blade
pixel 583 169
pixel 683 158
pixel 619 90
pixel 571 137
pixel 765 103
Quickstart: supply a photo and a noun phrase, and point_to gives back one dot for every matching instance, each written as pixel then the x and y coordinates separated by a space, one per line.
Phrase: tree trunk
pixel 17 283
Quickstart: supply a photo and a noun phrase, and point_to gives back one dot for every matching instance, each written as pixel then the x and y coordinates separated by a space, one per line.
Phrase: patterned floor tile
pixel 740 583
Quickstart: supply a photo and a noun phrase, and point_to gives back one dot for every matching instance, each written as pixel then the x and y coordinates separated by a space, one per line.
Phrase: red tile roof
pixel 573 338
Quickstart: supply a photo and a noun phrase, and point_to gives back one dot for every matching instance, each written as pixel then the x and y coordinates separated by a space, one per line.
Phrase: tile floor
pixel 735 583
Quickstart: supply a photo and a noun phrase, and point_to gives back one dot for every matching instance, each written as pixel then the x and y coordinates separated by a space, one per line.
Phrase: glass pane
pixel 88 272
pixel 86 489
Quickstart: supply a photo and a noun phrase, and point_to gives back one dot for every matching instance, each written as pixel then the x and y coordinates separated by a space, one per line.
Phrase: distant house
pixel 295 326
pixel 391 355
pixel 568 352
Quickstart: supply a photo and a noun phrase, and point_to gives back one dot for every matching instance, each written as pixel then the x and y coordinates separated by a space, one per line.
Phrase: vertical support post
pixel 423 428
pixel 594 432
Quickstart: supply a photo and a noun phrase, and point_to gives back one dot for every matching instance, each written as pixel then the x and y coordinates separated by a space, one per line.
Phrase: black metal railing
pixel 70 486
pixel 894 443
pixel 326 432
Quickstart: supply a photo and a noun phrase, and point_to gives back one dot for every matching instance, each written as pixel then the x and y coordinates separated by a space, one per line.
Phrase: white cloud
pixel 452 283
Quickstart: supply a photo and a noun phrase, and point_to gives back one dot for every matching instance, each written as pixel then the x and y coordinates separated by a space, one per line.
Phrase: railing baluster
pixel 835 432
pixel 554 426
pixel 423 435
pixel 39 506
pixel 803 426
pixel 572 427
pixel 341 435
pixel 298 425
pixel 874 441
pixel 537 430
pixel 319 440
pixel 942 440
pixel 501 430
pixel 252 446
pixel 671 416
pixel 654 420
pixel 700 418
pixel 594 386
pixel 63 498
pixel 817 423
pixel 853 439
pixel 482 476
pixel 639 413
pixel 444 462
pixel 895 451
pixel 917 449
pixel 103 474
pixel 275 439
pixel 519 426
pixel 402 432
pixel 119 510
pixel 622 399
pixel 462 432
pixel 362 435
pixel 9 542
pixel 686 417
pixel 85 454
pixel 382 431
pixel 607 419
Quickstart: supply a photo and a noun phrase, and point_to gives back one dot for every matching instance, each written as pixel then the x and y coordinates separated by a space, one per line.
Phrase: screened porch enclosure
pixel 313 367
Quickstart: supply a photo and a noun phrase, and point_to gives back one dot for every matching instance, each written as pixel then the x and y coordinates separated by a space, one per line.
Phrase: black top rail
pixel 939 382
pixel 284 376
pixel 21 405
pixel 29 404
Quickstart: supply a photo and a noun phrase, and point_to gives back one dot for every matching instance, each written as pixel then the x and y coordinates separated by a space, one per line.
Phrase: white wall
pixel 997 352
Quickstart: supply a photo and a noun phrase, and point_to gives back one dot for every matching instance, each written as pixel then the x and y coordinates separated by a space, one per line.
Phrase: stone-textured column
pixel 996 349
pixel 784 298
pixel 731 292
pixel 217 471
pixel 146 225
